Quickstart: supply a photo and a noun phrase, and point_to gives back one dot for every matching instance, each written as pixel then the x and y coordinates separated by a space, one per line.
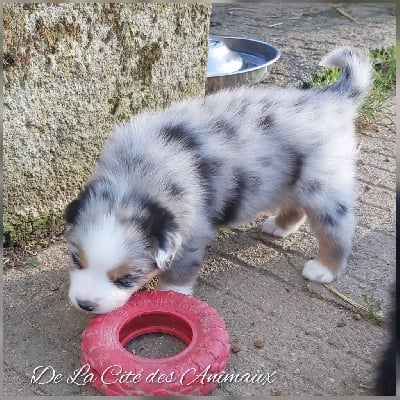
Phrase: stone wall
pixel 73 71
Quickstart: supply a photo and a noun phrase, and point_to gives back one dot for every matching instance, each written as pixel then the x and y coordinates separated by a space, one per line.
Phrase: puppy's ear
pixel 73 209
pixel 166 250
pixel 161 228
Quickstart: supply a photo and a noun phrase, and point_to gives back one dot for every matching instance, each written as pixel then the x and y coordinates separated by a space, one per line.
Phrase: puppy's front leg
pixel 183 271
pixel 182 288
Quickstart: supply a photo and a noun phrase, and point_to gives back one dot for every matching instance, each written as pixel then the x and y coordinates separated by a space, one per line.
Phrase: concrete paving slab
pixel 307 334
pixel 238 280
pixel 246 324
pixel 374 196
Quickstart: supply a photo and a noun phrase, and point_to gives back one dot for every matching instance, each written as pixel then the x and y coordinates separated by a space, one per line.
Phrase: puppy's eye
pixel 126 281
pixel 76 261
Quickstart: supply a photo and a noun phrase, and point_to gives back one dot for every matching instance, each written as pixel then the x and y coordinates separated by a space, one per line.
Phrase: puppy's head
pixel 117 243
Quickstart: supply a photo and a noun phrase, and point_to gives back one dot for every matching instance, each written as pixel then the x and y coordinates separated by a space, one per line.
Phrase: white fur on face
pixel 105 247
pixel 90 285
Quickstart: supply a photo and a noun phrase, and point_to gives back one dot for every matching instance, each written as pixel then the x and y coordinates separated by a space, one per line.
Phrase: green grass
pixel 384 64
pixel 374 307
pixel 33 262
pixel 323 78
pixel 33 232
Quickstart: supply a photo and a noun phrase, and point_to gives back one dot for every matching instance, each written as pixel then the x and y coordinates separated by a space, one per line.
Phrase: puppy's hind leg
pixel 334 229
pixel 285 223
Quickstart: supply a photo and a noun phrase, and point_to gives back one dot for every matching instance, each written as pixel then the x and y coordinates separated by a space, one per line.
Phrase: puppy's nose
pixel 86 305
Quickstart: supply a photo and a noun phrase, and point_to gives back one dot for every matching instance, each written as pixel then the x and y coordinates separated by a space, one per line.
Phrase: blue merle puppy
pixel 167 180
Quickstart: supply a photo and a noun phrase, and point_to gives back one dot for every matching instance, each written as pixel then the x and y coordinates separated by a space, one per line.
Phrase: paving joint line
pixel 381 232
pixel 368 151
pixel 236 297
pixel 379 168
pixel 362 201
pixel 244 264
pixel 275 246
pixel 380 138
pixel 386 190
pixel 378 186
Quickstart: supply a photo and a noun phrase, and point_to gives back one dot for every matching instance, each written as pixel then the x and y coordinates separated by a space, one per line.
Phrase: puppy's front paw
pixel 315 271
pixel 270 226
pixel 187 289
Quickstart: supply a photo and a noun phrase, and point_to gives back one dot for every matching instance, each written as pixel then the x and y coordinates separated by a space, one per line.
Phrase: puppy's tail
pixel 355 72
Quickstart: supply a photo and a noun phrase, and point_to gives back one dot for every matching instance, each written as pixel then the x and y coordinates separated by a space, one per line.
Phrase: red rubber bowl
pixel 114 371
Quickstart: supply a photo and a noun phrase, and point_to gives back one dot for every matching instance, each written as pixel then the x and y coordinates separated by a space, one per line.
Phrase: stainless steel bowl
pixel 234 61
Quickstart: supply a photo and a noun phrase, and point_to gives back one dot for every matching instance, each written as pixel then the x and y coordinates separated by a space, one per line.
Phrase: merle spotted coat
pixel 167 180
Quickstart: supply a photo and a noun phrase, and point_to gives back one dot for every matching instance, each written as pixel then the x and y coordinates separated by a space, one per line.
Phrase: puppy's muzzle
pixel 86 305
